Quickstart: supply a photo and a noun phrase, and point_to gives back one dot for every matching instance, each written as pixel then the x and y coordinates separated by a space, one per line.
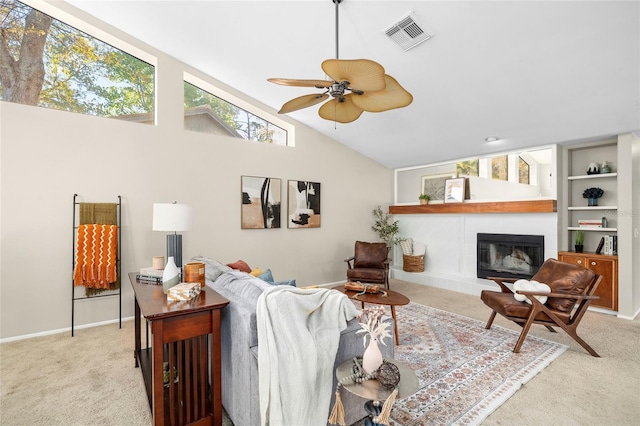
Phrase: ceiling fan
pixel 370 88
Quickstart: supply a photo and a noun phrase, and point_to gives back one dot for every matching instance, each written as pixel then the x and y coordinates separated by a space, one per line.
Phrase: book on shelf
pixel 589 223
pixel 610 245
pixel 600 245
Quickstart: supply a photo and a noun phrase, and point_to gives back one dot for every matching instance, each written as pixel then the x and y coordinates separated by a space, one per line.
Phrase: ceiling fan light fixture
pixel 370 88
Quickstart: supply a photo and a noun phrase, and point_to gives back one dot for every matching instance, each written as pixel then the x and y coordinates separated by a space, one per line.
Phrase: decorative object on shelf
pixel 593 169
pixel 174 218
pixel 373 327
pixel 170 276
pixel 434 185
pixel 604 222
pixel 605 168
pixel 592 194
pixel 455 190
pixel 579 244
pixel 387 231
pixel 424 198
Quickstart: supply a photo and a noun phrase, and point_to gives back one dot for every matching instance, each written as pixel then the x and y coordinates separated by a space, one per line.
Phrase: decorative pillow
pixel 256 272
pixel 266 276
pixel 526 285
pixel 370 255
pixel 286 282
pixel 240 265
pixel 407 246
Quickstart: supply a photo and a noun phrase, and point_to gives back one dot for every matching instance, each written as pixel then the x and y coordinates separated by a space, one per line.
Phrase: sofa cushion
pixel 267 276
pixel 240 265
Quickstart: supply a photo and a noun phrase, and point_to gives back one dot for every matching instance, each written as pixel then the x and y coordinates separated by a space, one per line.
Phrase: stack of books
pixel 608 245
pixel 590 223
pixel 150 276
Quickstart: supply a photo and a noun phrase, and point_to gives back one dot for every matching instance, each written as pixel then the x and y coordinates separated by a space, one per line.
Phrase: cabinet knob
pixel 593 263
pixel 579 262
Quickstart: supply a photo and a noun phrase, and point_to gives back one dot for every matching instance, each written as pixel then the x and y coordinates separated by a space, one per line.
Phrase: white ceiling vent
pixel 408 33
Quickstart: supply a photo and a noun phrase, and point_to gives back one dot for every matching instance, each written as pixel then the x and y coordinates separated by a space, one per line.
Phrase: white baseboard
pixel 62 330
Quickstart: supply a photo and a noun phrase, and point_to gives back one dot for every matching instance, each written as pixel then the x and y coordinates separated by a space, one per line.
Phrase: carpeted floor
pixel 90 379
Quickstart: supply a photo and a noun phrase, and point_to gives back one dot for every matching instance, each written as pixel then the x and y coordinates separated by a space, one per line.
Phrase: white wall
pixel 451 244
pixel 47 156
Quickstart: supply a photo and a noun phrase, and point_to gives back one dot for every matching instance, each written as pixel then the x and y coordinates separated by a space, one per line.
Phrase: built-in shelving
pixel 580 159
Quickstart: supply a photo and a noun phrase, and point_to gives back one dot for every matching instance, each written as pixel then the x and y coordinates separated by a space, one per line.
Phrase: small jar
pixel 604 222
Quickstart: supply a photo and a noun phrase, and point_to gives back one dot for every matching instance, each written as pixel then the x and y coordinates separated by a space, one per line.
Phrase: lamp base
pixel 174 248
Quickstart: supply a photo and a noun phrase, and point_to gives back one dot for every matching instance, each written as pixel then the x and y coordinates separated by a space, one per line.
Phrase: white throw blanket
pixel 298 334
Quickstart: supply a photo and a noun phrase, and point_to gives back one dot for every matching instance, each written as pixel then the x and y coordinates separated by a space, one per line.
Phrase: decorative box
pixel 183 292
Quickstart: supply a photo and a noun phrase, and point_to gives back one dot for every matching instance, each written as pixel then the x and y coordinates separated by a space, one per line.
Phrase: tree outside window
pixel 48 63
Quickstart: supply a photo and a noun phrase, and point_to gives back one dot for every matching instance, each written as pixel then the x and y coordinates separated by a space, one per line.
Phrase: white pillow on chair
pixel 526 285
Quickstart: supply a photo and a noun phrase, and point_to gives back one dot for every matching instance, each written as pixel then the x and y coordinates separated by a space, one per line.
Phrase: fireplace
pixel 509 255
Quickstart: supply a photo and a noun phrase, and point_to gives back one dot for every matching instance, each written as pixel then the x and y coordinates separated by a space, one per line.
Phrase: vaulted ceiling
pixel 529 72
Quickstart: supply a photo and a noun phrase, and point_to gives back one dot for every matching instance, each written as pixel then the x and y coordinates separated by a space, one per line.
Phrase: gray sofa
pixel 239 337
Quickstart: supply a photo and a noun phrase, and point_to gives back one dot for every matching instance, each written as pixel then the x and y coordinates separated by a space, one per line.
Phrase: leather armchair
pixel 572 290
pixel 369 264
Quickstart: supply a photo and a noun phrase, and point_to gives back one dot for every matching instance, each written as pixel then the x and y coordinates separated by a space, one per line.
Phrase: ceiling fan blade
pixel 341 112
pixel 362 74
pixel 392 96
pixel 302 83
pixel 302 102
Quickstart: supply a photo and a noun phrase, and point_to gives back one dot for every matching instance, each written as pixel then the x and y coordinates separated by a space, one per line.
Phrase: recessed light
pixel 492 139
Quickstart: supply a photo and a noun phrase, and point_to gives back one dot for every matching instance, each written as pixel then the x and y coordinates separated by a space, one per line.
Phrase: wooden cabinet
pixel 607 266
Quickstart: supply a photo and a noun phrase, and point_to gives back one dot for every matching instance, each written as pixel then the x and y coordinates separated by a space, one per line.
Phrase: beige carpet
pixel 90 379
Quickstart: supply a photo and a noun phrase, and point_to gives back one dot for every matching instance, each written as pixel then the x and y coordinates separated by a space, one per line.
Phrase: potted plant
pixel 592 194
pixel 579 241
pixel 424 198
pixel 387 231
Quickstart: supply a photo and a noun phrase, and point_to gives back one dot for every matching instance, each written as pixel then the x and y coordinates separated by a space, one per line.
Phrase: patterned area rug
pixel 464 371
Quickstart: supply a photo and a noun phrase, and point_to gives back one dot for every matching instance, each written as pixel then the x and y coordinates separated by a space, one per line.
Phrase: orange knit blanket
pixel 96 256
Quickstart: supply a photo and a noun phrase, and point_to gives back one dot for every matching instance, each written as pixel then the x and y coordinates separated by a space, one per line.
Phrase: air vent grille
pixel 408 33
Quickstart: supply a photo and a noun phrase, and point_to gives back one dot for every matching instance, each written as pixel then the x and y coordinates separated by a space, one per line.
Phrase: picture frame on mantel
pixel 455 190
pixel 434 185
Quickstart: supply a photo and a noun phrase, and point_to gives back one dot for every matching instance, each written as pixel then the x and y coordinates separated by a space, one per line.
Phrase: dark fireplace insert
pixel 509 255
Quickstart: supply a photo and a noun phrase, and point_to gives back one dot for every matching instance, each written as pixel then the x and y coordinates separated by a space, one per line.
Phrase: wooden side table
pixel 186 339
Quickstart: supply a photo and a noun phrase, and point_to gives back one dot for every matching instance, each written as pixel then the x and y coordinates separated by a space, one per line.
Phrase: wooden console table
pixel 186 338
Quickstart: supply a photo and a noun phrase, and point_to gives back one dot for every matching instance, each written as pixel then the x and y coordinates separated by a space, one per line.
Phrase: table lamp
pixel 172 217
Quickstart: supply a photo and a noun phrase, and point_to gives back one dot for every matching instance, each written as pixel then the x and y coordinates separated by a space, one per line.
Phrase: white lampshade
pixel 172 217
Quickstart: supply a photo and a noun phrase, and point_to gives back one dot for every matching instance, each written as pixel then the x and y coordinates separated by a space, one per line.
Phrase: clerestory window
pixel 208 113
pixel 48 63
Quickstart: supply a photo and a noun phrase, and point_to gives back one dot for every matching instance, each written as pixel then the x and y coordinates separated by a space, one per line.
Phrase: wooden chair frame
pixel 569 327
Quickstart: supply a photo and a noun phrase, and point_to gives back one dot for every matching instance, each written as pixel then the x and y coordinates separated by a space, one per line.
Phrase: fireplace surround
pixel 509 255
